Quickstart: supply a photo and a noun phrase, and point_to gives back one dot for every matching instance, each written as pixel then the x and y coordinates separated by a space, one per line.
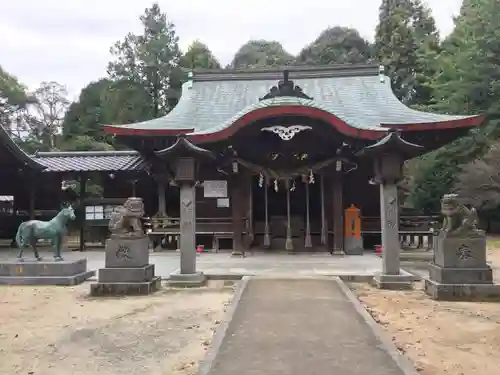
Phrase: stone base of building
pixel 442 275
pixel 238 254
pixel 393 282
pixel 34 272
pixel 462 292
pixel 353 246
pixel 101 289
pixel 190 280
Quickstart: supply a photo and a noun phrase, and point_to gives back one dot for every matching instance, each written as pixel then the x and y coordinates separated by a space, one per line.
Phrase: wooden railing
pixel 414 231
pixel 407 224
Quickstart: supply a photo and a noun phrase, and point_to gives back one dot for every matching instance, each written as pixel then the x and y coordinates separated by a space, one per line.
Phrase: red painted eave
pixel 294 110
pixel 469 122
pixel 121 130
pixel 289 110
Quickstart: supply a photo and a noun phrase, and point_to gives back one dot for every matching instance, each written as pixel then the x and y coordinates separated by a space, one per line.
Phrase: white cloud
pixel 69 41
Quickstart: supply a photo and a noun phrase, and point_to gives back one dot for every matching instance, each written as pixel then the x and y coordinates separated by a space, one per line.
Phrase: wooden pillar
pixel 83 184
pixel 267 234
pixel 134 187
pixel 250 231
pixel 338 213
pixel 32 200
pixel 308 241
pixel 237 212
pixel 289 240
pixel 324 225
pixel 162 204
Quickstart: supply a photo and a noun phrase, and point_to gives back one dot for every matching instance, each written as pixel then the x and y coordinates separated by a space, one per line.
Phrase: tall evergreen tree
pixel 149 59
pixel 468 82
pixel 405 41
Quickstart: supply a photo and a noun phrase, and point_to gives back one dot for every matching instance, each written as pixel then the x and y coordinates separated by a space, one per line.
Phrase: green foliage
pixel 261 53
pixel 198 56
pixel 13 101
pixel 336 45
pixel 406 42
pixel 468 82
pixel 149 59
pixel 44 116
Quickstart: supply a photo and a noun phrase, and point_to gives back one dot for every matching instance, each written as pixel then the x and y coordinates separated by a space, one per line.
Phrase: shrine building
pixel 296 155
pixel 295 159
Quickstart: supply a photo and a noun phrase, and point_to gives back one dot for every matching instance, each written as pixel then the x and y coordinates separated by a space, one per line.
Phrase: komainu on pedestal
pixel 38 271
pixel 459 270
pixel 127 270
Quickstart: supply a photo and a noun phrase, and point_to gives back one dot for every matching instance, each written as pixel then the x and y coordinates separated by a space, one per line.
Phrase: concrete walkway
pixel 299 327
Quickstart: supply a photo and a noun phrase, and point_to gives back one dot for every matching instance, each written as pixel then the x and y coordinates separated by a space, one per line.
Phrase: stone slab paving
pixel 255 264
pixel 299 327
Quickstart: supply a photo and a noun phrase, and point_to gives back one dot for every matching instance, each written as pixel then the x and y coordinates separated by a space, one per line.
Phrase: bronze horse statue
pixel 31 231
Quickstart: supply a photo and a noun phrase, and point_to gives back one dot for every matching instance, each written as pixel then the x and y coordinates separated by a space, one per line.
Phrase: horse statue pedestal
pixel 33 272
pixel 127 270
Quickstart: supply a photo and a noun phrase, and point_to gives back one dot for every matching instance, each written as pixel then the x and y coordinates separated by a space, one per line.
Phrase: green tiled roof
pixel 212 101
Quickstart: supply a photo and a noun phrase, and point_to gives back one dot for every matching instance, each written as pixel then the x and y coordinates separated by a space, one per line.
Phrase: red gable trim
pixel 290 110
pixel 469 122
pixel 293 110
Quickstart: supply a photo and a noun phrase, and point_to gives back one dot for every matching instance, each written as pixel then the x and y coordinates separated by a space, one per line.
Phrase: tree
pixel 261 53
pixel 46 113
pixel 405 42
pixel 198 55
pixel 469 83
pixel 336 45
pixel 479 182
pixel 149 60
pixel 13 100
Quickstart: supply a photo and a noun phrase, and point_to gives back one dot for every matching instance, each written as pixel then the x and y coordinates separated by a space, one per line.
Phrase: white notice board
pixel 215 189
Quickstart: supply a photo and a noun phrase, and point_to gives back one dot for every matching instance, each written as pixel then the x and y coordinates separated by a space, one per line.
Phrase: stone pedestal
pixel 459 270
pixel 353 246
pixel 127 271
pixel 32 272
pixel 192 280
pixel 393 282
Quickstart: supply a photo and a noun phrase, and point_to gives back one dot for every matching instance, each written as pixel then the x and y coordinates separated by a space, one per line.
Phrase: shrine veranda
pixel 295 159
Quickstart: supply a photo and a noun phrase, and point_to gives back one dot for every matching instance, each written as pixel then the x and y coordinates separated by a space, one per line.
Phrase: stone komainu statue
pixel 458 219
pixel 126 220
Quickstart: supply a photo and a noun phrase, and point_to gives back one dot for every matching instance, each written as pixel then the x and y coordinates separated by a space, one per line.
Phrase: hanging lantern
pixel 276 185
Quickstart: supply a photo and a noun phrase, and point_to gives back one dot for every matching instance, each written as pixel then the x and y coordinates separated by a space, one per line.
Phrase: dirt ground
pixel 61 331
pixel 441 338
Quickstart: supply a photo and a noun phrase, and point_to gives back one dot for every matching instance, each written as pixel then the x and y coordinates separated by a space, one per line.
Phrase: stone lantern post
pixel 185 159
pixel 389 155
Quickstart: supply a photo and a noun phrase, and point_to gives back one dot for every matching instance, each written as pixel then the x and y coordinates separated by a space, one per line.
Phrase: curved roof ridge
pixel 18 152
pixel 396 103
pixel 184 107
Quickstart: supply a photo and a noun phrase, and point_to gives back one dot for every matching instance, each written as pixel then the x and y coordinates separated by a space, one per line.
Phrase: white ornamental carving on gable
pixel 286 133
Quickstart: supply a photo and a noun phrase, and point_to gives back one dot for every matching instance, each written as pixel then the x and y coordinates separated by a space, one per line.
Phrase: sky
pixel 68 41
